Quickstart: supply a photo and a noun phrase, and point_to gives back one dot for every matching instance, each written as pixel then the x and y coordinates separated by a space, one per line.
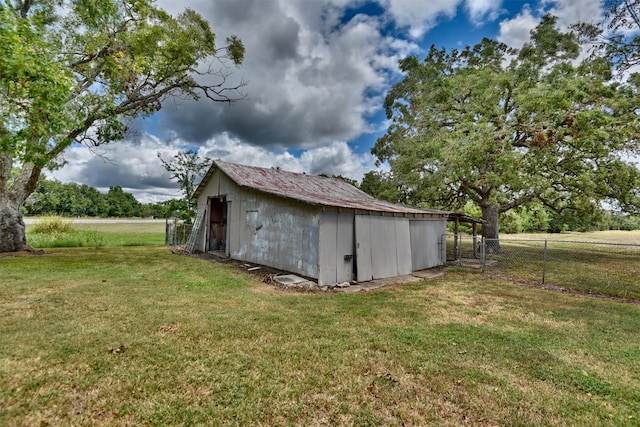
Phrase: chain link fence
pixel 176 232
pixel 601 268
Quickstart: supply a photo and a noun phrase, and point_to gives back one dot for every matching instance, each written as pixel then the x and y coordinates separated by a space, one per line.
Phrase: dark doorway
pixel 217 224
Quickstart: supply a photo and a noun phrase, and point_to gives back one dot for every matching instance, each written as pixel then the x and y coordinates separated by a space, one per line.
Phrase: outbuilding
pixel 318 227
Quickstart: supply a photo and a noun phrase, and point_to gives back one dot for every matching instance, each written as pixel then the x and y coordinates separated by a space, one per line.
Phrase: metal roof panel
pixel 312 189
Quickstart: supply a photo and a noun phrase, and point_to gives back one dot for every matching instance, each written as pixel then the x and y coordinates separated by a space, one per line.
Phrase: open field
pixel 609 236
pixel 98 233
pixel 139 336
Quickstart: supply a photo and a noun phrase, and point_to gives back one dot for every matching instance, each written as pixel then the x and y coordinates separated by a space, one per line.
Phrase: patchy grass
pixel 606 262
pixel 138 336
pixel 587 267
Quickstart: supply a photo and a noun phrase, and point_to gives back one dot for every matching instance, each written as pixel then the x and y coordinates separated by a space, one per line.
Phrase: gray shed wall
pixel 275 232
pixel 336 247
pixel 383 247
pixel 426 248
pixel 263 229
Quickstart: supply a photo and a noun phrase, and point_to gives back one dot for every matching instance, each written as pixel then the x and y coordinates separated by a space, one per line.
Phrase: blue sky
pixel 317 72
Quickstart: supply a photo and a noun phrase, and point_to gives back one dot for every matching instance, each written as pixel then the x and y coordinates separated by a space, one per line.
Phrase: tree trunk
pixel 13 192
pixel 490 229
pixel 12 229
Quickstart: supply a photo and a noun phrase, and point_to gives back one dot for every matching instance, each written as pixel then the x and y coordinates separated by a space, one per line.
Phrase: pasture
pixel 137 335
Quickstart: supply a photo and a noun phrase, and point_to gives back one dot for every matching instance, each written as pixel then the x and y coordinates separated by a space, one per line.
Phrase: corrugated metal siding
pixel 277 233
pixel 363 248
pixel 403 246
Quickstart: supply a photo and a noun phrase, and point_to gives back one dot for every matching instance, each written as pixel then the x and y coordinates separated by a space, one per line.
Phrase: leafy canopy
pixel 77 71
pixel 618 38
pixel 504 127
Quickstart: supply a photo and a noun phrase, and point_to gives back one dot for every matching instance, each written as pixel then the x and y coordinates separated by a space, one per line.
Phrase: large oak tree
pixel 504 127
pixel 77 71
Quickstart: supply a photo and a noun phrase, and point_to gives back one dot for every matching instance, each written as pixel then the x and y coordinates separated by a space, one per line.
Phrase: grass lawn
pixel 601 262
pixel 139 336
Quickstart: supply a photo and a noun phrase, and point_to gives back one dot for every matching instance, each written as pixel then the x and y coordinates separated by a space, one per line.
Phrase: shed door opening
pixel 218 224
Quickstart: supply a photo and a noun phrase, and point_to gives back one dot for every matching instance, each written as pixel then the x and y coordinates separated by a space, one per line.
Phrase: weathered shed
pixel 318 227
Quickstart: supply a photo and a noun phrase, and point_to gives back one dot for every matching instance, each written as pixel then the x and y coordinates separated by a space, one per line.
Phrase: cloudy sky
pixel 317 73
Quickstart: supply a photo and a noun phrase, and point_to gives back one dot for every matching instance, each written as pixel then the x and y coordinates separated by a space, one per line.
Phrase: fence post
pixel 544 262
pixel 455 246
pixel 482 253
pixel 175 231
pixel 166 232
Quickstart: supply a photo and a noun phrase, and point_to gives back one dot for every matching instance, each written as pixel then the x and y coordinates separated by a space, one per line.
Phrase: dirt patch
pixel 260 273
pixel 28 251
pixel 268 274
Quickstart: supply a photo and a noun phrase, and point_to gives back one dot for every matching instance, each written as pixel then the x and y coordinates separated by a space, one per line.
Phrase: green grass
pixel 207 345
pixel 68 235
pixel 579 261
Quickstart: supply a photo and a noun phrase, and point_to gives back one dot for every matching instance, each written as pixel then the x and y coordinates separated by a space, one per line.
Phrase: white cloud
pixel 312 78
pixel 420 16
pixel 336 158
pixel 481 10
pixel 516 31
pixel 572 11
pixel 134 166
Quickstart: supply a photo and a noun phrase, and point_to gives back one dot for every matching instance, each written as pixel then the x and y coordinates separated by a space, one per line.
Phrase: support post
pixel 544 262
pixel 483 261
pixel 475 240
pixel 455 239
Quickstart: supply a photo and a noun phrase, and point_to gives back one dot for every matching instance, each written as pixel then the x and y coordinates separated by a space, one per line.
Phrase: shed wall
pixel 383 247
pixel 426 248
pixel 274 232
pixel 320 243
pixel 218 185
pixel 336 247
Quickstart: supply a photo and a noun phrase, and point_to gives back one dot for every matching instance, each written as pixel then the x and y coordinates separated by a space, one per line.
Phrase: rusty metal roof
pixel 311 189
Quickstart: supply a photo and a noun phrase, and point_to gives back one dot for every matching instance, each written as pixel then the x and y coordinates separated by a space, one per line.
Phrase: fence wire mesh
pixel 176 232
pixel 602 268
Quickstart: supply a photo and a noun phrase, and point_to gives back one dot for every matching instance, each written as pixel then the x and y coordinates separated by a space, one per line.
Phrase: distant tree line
pixel 55 198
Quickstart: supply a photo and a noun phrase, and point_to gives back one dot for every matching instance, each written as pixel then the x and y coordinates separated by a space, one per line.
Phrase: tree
pixel 187 169
pixel 122 204
pixel 504 128
pixel 382 185
pixel 618 38
pixel 77 71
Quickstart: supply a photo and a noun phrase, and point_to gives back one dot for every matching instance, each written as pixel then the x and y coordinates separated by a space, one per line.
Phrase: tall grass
pixel 56 232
